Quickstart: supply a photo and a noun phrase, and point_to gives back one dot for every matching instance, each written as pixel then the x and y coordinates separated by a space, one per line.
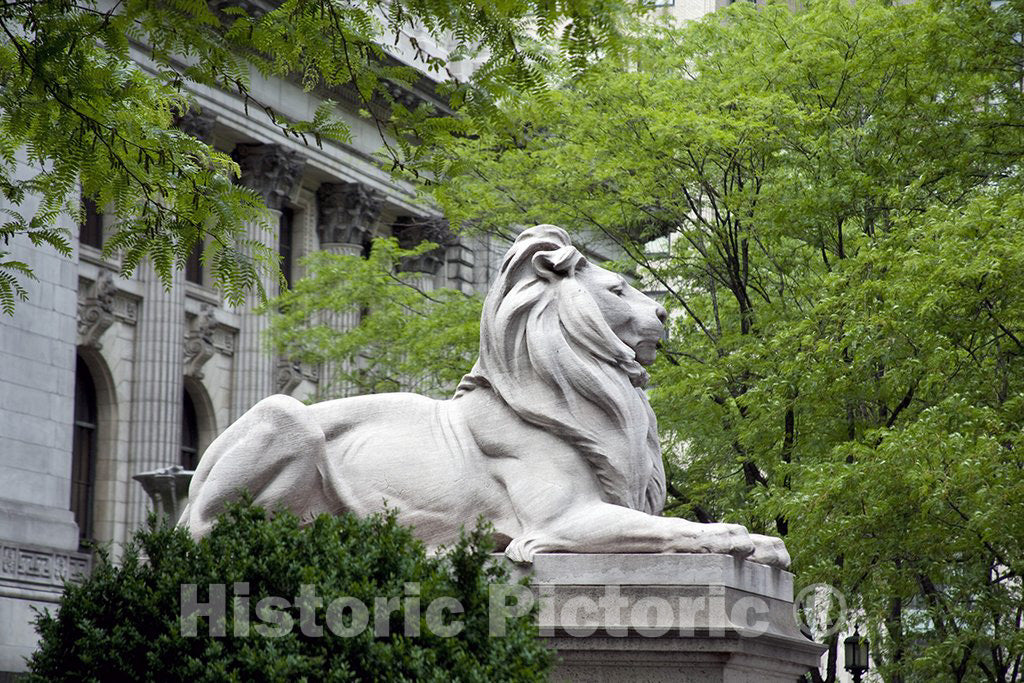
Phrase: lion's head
pixel 563 342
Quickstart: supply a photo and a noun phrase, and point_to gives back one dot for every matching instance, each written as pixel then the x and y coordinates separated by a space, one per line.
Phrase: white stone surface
pixel 666 617
pixel 550 437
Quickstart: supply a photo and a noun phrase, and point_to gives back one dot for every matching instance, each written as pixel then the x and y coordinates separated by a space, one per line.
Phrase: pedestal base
pixel 649 617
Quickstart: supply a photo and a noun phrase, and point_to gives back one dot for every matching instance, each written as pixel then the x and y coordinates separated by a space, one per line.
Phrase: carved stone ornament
pixel 40 566
pixel 289 376
pixel 271 170
pixel 412 231
pixel 347 212
pixel 290 373
pixel 406 98
pixel 550 436
pixel 197 124
pixel 96 311
pixel 199 341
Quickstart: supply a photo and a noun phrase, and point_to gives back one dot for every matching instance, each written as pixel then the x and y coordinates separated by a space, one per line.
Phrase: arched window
pixel 189 434
pixel 83 456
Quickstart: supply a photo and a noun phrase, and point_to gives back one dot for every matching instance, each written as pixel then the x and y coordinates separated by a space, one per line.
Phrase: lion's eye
pixel 618 290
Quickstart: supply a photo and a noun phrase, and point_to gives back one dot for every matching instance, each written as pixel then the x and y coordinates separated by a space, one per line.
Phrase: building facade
pixel 103 377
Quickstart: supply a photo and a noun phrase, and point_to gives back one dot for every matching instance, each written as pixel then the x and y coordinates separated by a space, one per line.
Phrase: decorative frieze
pixel 347 213
pixel 47 567
pixel 412 231
pixel 271 170
pixel 96 310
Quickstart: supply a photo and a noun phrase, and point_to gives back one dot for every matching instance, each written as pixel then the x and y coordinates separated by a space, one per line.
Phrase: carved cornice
pixel 271 170
pixel 347 212
pixel 412 231
pixel 96 310
pixel 199 346
pixel 38 566
pixel 197 124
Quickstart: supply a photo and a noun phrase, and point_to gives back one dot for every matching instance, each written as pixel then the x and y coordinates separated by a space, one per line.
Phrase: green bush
pixel 124 622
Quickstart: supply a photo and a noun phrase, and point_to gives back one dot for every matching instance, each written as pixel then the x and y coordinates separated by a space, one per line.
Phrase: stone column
pixel 346 216
pixel 158 383
pixel 273 172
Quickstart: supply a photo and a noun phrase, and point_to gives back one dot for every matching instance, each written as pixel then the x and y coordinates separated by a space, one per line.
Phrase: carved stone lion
pixel 550 436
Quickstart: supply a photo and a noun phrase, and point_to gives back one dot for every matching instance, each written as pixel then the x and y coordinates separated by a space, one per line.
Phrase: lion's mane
pixel 547 351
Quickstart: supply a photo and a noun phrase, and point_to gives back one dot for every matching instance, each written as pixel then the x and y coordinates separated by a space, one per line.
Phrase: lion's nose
pixel 662 314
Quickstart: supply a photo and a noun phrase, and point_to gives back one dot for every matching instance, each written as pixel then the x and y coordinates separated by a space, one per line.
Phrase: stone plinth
pixel 167 489
pixel 669 617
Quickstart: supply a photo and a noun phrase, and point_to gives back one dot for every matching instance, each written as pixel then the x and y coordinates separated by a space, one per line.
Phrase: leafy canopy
pixel 829 201
pixel 372 329
pixel 89 92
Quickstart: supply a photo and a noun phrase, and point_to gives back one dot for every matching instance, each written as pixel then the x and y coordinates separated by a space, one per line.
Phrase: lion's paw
pixel 522 550
pixel 729 539
pixel 770 551
pixel 518 552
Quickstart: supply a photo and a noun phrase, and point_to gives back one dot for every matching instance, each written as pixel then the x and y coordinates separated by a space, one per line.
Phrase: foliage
pixel 401 339
pixel 85 109
pixel 122 623
pixel 829 199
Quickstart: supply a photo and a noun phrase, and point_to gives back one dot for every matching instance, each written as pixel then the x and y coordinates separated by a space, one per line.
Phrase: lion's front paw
pixel 770 551
pixel 727 539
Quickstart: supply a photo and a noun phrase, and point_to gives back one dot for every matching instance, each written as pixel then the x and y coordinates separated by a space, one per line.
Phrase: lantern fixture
pixel 856 651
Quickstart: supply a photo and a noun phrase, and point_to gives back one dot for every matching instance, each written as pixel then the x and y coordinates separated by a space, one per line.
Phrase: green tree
pixel 401 338
pixel 125 622
pixel 79 114
pixel 830 200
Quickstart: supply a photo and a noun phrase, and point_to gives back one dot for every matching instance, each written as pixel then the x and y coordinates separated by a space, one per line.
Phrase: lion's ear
pixel 563 262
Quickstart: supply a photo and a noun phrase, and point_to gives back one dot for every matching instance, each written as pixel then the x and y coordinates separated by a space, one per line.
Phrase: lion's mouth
pixel 646 352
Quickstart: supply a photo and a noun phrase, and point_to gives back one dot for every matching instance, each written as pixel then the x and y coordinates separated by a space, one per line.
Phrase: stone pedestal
pixel 669 617
pixel 167 488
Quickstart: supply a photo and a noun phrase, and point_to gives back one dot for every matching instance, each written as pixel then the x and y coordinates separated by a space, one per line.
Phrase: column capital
pixel 271 170
pixel 412 231
pixel 196 123
pixel 346 213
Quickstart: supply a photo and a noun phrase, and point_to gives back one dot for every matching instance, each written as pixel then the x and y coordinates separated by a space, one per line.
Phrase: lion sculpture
pixel 550 437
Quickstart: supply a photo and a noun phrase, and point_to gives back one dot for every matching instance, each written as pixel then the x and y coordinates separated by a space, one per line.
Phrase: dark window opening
pixel 83 456
pixel 90 231
pixel 189 434
pixel 194 266
pixel 284 243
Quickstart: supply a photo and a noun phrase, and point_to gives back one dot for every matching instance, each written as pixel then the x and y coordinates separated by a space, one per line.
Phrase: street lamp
pixel 856 649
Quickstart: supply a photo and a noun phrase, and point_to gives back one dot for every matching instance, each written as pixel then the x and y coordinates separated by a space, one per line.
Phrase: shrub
pixel 124 622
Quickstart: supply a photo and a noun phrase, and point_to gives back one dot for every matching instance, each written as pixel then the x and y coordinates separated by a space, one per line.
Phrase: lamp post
pixel 856 650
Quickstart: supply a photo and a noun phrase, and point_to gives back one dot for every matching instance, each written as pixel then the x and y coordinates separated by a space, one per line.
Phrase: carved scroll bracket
pixel 96 311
